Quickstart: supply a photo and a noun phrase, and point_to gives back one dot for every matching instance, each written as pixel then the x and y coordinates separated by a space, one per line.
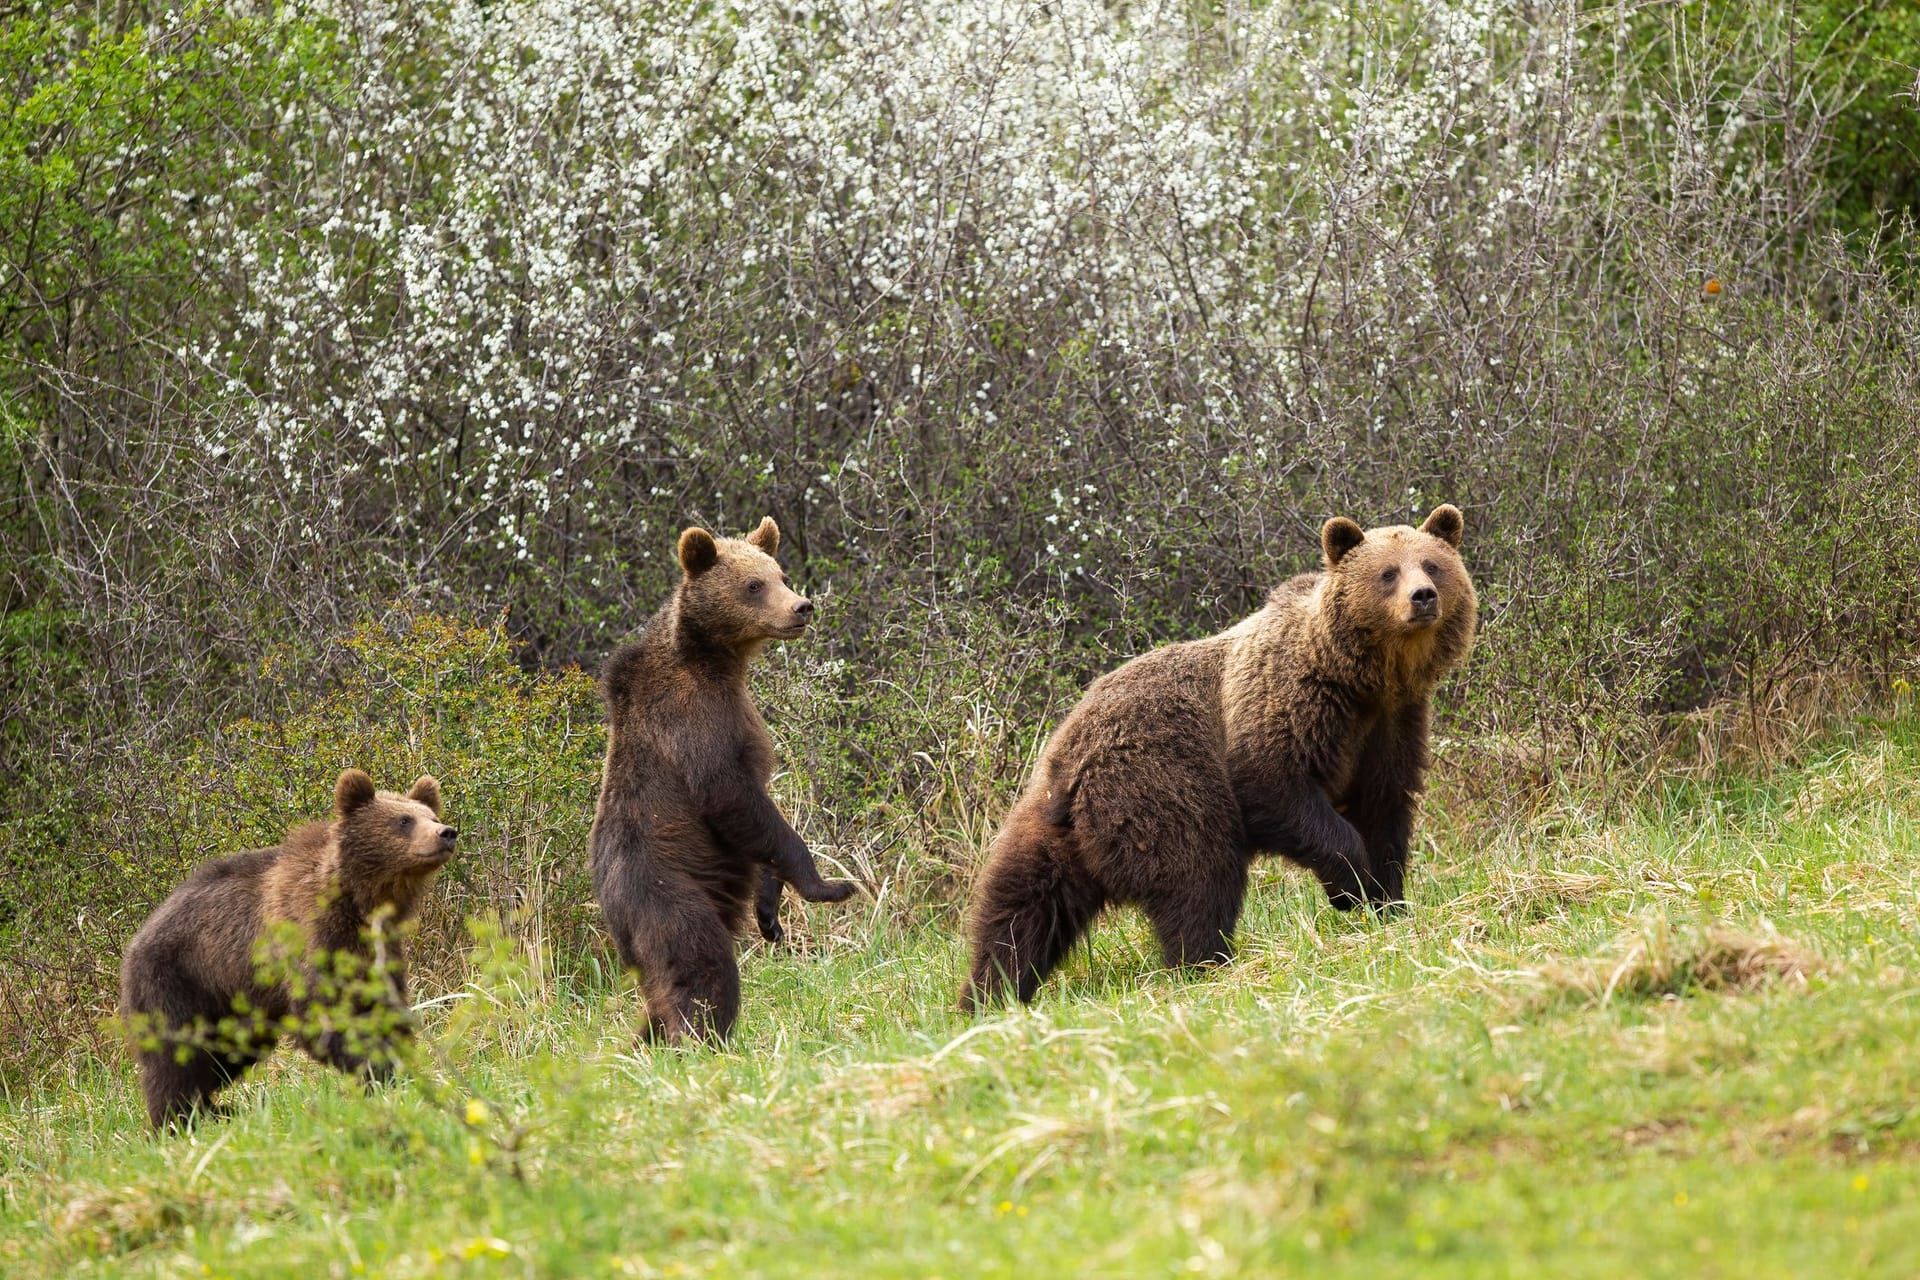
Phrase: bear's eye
pixel 785 581
pixel 406 823
pixel 1388 575
pixel 1431 568
pixel 755 587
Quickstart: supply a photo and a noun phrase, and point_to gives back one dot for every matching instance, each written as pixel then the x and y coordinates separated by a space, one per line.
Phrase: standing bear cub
pixel 1302 731
pixel 685 830
pixel 191 992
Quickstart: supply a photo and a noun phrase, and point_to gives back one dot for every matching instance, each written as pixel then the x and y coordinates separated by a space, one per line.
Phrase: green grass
pixel 1555 1065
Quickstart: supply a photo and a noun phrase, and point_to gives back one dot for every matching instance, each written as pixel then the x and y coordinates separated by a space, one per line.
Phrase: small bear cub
pixel 192 965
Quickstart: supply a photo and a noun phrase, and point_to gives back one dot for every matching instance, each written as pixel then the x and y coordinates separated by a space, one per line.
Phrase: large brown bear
pixel 191 966
pixel 1302 731
pixel 685 829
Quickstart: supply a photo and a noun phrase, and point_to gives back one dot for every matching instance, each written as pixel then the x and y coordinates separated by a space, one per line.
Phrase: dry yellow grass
pixel 1654 959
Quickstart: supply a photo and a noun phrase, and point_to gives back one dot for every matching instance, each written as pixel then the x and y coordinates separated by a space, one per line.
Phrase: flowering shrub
pixel 545 241
pixel 1127 297
pixel 1047 332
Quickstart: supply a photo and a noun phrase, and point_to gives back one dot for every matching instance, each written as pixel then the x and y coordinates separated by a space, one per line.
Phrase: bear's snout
pixel 803 610
pixel 1426 604
pixel 442 846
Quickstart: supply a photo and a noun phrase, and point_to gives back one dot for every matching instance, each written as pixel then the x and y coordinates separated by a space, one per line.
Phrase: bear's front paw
pixel 769 922
pixel 835 891
pixel 1345 888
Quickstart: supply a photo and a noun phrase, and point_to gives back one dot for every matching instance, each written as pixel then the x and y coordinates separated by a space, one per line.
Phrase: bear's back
pixel 1296 588
pixel 1183 669
pixel 625 676
pixel 210 922
pixel 1165 692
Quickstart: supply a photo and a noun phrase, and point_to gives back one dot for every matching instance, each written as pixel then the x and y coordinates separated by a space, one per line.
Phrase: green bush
pixel 1872 53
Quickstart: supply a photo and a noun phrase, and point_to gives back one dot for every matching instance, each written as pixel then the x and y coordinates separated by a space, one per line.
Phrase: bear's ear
pixel 352 793
pixel 1445 524
pixel 426 789
pixel 698 551
pixel 1339 536
pixel 767 536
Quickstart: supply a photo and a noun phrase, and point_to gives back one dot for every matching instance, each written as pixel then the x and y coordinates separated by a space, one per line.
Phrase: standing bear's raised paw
pixel 766 905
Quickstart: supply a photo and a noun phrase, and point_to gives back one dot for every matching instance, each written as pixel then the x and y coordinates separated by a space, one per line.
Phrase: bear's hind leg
pixel 175 1090
pixel 1031 906
pixel 680 940
pixel 186 1048
pixel 697 994
pixel 687 970
pixel 1182 860
pixel 1195 918
pixel 339 1050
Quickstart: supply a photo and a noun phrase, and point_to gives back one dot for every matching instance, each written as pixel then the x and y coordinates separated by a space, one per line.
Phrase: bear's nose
pixel 804 608
pixel 448 834
pixel 1425 599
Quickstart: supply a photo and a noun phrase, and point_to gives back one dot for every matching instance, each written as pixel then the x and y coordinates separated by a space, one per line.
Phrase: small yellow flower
pixel 1902 686
pixel 486 1247
pixel 477 1112
pixel 1003 1208
pixel 1680 1199
pixel 1020 1212
pixel 476 1154
pixel 1859 1182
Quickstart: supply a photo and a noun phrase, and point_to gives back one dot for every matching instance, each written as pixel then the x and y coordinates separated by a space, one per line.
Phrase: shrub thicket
pixel 1046 331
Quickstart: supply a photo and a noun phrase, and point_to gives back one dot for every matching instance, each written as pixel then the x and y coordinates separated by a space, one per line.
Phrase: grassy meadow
pixel 1678 1042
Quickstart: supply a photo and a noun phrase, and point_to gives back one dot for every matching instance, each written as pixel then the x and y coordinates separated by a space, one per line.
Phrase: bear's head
pixel 1403 587
pixel 390 844
pixel 735 594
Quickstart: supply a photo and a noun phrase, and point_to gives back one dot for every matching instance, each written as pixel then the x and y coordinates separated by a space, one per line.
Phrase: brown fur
pixel 685 829
pixel 1302 731
pixel 194 956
